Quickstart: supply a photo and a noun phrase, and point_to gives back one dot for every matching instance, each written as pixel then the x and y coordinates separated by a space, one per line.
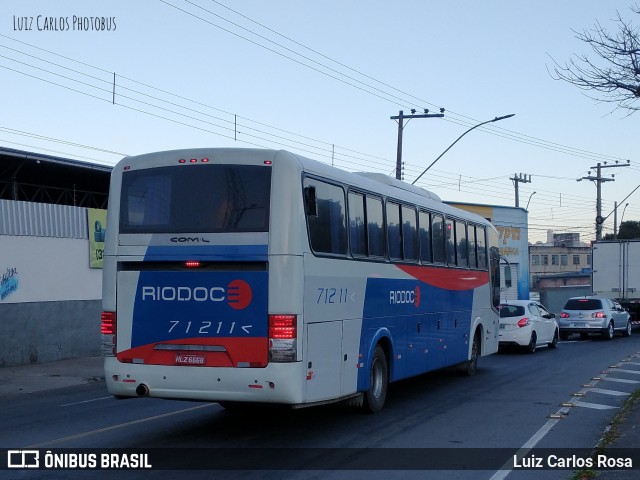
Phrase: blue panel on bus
pixel 397 306
pixel 208 252
pixel 199 305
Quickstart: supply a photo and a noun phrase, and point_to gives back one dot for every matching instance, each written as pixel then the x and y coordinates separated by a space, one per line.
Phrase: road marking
pixel 609 392
pixel 635 372
pixel 619 380
pixel 595 406
pixel 86 401
pixel 115 427
pixel 505 470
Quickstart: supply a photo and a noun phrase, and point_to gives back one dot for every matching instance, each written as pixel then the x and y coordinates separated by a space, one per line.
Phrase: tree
pixel 628 230
pixel 615 72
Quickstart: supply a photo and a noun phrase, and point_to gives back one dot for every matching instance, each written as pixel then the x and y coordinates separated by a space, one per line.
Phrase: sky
pixel 97 80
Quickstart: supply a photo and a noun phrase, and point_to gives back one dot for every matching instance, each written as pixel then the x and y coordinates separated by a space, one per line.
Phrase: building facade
pixel 513 233
pixel 548 260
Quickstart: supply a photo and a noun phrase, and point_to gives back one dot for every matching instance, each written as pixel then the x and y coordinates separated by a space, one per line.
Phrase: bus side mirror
pixel 310 201
pixel 507 276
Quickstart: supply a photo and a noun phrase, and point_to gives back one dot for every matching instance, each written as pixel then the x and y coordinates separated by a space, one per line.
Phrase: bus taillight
pixel 108 331
pixel 283 333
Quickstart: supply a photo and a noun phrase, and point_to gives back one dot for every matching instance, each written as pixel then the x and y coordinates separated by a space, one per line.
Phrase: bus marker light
pixel 192 264
pixel 205 160
pixel 194 160
pixel 268 162
pixel 309 375
pixel 254 386
pixel 182 160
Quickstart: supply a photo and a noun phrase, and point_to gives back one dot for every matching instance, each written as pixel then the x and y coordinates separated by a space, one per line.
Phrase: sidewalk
pixel 26 379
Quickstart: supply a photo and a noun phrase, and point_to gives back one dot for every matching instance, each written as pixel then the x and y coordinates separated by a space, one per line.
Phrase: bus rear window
pixel 196 199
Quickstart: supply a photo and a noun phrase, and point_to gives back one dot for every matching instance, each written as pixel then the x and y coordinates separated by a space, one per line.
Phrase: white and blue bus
pixel 260 276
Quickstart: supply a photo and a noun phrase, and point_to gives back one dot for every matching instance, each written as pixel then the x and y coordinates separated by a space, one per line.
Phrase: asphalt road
pixel 511 403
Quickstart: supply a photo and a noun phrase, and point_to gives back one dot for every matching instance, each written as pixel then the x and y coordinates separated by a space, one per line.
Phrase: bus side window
pixel 357 226
pixel 394 233
pixel 328 229
pixel 461 244
pixel 375 226
pixel 471 239
pixel 437 233
pixel 424 219
pixel 481 247
pixel 409 234
pixel 450 241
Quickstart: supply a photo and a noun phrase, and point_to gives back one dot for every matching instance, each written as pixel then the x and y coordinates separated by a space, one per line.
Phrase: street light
pixel 529 201
pixel 496 119
pixel 622 216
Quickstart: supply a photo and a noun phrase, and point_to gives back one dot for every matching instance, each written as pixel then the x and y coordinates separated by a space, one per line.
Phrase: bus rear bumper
pixel 275 383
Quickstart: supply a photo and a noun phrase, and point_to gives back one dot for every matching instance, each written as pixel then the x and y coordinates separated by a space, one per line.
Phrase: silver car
pixel 585 315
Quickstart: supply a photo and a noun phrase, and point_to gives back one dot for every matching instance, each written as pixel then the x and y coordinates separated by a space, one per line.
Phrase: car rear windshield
pixel 196 199
pixel 583 304
pixel 507 311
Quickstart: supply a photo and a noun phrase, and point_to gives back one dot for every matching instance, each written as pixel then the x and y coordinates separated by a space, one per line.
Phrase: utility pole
pixel 400 118
pixel 520 179
pixel 599 180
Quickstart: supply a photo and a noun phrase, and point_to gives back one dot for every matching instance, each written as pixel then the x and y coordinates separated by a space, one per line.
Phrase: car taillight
pixel 564 315
pixel 108 331
pixel 599 315
pixel 523 322
pixel 283 333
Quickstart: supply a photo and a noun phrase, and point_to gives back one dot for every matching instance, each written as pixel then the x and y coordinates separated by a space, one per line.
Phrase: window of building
pixel 545 259
pixel 589 259
pixel 554 260
pixel 535 259
pixel 564 260
pixel 576 259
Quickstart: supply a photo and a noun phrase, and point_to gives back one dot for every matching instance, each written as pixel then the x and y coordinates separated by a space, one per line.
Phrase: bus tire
pixel 470 367
pixel 376 395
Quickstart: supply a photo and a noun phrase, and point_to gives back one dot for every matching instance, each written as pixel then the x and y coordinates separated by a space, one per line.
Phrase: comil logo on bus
pixel 401 297
pixel 237 294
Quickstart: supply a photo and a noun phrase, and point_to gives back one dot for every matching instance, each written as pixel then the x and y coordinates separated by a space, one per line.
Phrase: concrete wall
pixel 555 298
pixel 50 299
pixel 46 331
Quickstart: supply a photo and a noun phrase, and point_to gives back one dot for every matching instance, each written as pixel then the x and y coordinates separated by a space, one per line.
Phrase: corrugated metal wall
pixel 42 220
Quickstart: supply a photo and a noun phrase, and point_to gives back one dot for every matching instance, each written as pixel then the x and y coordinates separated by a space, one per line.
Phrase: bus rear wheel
pixel 376 395
pixel 470 367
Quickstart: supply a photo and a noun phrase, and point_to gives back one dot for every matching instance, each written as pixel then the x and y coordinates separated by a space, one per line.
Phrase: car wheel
pixel 608 333
pixel 554 341
pixel 375 396
pixel 627 331
pixel 531 348
pixel 564 336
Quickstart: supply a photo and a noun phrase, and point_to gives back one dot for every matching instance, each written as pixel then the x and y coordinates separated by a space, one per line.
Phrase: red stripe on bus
pixel 238 351
pixel 447 278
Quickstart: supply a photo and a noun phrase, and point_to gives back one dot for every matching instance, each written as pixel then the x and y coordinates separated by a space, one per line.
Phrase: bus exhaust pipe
pixel 142 390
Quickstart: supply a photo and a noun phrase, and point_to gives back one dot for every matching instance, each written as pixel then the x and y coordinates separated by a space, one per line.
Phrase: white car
pixel 526 323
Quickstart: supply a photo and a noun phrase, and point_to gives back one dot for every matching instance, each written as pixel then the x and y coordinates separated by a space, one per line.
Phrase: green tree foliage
pixel 628 230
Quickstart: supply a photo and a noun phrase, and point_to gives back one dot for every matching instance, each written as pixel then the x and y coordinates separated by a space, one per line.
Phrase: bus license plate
pixel 191 359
